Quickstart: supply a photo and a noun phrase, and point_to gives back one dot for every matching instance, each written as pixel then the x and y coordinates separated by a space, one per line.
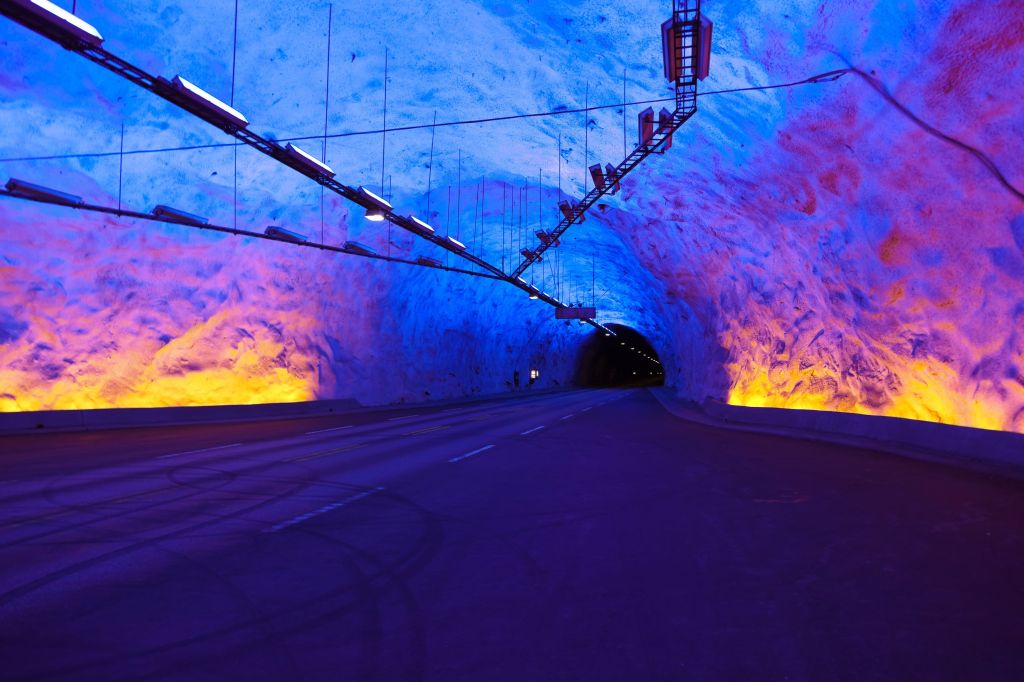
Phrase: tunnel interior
pixel 622 358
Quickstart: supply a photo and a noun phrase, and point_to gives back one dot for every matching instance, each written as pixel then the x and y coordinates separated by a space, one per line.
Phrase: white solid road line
pixel 470 454
pixel 567 416
pixel 408 416
pixel 336 428
pixel 192 452
pixel 323 510
pixel 527 433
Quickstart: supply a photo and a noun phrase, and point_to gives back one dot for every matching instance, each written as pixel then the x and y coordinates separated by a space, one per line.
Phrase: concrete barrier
pixel 998 452
pixel 92 420
pixel 130 417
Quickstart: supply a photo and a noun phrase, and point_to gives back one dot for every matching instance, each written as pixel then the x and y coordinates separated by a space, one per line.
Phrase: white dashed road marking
pixel 192 452
pixel 323 510
pixel 470 454
pixel 336 428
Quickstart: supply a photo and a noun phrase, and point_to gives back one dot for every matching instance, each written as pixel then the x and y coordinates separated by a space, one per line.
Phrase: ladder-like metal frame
pixel 686 22
pixel 686 17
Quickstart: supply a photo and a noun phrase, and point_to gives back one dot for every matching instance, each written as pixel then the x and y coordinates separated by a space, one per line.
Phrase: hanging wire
pixel 820 78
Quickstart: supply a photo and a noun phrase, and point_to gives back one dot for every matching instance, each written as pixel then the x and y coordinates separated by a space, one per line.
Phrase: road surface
pixel 585 535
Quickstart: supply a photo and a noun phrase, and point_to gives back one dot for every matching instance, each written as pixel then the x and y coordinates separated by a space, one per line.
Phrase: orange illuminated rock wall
pixel 839 255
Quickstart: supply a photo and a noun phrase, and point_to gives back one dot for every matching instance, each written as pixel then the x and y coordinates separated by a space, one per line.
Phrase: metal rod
pixel 430 167
pixel 483 215
pixel 503 192
pixel 120 168
pixel 624 113
pixel 586 136
pixel 95 208
pixel 327 103
pixel 458 210
pixel 384 135
pixel 234 160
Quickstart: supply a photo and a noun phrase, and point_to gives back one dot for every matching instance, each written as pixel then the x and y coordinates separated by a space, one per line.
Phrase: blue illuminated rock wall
pixel 802 247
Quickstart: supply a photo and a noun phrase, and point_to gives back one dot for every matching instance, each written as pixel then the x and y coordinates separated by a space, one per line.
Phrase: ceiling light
pixel 456 243
pixel 309 161
pixel 176 215
pixel 377 201
pixel 284 235
pixel 361 249
pixel 424 227
pixel 224 112
pixel 61 20
pixel 31 191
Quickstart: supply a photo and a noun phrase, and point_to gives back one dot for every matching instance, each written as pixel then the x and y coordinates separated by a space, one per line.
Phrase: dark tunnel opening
pixel 623 359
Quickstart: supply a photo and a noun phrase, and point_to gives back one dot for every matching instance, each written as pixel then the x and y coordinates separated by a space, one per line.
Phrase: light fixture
pixel 309 161
pixel 32 191
pixel 361 249
pixel 568 207
pixel 195 94
pixel 377 201
pixel 423 227
pixel 379 207
pixel 456 243
pixel 178 216
pixel 645 121
pixel 284 235
pixel 704 43
pixel 428 261
pixel 60 20
pixel 610 176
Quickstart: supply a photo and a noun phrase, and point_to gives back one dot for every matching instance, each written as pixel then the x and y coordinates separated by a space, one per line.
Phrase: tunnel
pixel 622 358
pixel 473 340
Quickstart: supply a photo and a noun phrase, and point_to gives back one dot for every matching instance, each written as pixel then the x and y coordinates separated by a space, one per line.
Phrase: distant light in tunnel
pixel 197 95
pixel 62 20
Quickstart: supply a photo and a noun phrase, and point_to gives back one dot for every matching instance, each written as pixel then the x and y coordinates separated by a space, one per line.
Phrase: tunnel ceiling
pixel 815 246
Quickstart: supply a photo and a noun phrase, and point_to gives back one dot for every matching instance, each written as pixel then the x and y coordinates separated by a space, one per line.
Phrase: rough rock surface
pixel 813 246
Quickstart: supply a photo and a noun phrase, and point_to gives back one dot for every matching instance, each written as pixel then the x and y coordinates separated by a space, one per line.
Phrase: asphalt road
pixel 587 535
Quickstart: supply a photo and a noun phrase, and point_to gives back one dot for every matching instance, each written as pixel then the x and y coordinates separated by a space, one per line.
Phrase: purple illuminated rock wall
pixel 803 247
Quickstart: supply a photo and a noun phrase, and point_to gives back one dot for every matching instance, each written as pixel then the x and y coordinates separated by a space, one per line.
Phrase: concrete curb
pixel 49 421
pixel 997 452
